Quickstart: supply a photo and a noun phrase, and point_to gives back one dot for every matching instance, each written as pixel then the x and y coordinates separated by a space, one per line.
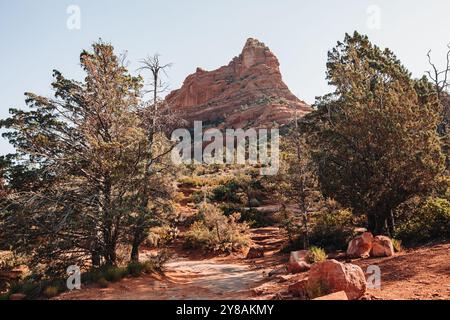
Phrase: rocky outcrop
pixel 360 246
pixel 332 276
pixel 248 92
pixel 382 247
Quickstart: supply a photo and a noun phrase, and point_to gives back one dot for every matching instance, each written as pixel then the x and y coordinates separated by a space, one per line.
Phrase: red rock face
pixel 248 92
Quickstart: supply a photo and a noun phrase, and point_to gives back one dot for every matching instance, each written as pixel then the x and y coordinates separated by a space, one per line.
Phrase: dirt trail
pixel 188 277
pixel 423 273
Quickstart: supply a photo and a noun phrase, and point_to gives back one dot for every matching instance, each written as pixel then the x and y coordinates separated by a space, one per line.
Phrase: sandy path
pixel 422 273
pixel 182 280
pixel 187 277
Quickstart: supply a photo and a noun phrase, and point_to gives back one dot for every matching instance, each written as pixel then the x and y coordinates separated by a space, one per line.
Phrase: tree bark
pixel 306 231
pixel 371 223
pixel 391 224
pixel 135 252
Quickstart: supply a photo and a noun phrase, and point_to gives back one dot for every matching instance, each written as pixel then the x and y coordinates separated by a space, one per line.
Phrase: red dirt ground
pixel 422 273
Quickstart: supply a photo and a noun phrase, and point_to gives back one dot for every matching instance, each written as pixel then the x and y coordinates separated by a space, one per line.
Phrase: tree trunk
pixel 381 224
pixel 135 252
pixel 391 224
pixel 306 231
pixel 111 256
pixel 371 223
pixel 95 256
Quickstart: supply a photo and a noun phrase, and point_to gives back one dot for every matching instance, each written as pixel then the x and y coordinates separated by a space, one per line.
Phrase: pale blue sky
pixel 34 38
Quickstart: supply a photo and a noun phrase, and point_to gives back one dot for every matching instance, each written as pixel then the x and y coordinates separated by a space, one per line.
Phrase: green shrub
pixel 316 254
pixel 29 288
pixel 214 231
pixel 193 181
pixel 51 291
pixel 254 203
pixel 103 283
pixel 257 219
pixel 429 221
pixel 197 196
pixel 114 274
pixel 91 276
pixel 318 289
pixel 332 230
pixel 198 236
pixel 135 268
pixel 161 236
pixel 5 296
pixel 254 218
pixel 105 273
pixel 397 244
pixel 156 263
pixel 227 192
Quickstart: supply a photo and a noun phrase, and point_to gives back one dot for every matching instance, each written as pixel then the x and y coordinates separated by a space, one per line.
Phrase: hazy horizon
pixel 36 39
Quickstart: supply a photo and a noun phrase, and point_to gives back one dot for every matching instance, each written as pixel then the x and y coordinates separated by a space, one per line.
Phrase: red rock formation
pixel 249 91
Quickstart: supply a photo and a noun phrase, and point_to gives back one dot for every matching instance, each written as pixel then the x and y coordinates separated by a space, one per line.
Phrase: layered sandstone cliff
pixel 248 92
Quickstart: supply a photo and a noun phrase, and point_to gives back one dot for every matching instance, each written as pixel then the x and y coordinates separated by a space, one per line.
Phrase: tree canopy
pixel 374 138
pixel 80 175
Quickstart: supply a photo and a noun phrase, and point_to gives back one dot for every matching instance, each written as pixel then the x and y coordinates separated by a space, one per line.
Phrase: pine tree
pixel 76 154
pixel 374 138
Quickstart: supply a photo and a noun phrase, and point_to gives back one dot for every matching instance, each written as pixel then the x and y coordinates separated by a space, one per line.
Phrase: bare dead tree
pixel 440 80
pixel 154 65
pixel 157 121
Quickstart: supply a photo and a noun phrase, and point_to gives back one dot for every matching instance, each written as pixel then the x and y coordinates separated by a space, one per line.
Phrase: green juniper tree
pixel 75 155
pixel 374 138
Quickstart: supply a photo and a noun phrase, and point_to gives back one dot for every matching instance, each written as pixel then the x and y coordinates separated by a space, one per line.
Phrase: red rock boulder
pixel 297 262
pixel 360 246
pixel 382 247
pixel 332 276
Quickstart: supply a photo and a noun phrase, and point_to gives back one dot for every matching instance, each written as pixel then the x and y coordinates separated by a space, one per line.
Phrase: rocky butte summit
pixel 248 92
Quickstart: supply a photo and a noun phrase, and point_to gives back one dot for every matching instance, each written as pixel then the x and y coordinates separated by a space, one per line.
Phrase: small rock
pixel 284 278
pixel 297 262
pixel 368 296
pixel 261 290
pixel 255 252
pixel 277 271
